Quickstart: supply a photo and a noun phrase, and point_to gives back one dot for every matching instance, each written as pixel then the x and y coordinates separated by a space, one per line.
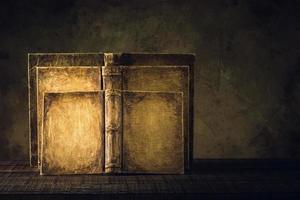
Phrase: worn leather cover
pixel 153 135
pixel 72 133
pixel 63 79
pixel 50 60
pixel 164 78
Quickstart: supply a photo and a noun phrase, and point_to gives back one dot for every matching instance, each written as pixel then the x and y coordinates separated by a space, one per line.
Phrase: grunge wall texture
pixel 247 74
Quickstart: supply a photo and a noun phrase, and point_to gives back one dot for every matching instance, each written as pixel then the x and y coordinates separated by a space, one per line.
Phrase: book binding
pixel 112 84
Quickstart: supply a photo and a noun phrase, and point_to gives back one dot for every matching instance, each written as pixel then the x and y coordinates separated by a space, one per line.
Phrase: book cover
pixel 146 112
pixel 72 133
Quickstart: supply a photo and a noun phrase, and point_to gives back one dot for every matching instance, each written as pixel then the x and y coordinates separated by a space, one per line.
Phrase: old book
pixel 72 133
pixel 153 135
pixel 164 78
pixel 147 110
pixel 50 60
pixel 63 79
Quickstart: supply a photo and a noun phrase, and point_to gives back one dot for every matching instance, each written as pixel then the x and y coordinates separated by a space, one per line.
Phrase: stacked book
pixel 110 112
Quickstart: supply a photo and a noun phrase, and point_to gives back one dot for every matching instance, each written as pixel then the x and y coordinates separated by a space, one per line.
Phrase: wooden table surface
pixel 19 181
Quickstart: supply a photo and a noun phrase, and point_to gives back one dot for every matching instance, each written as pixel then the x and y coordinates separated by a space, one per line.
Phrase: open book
pixel 110 113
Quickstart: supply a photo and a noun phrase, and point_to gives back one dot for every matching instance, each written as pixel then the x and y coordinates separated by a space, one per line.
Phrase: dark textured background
pixel 247 76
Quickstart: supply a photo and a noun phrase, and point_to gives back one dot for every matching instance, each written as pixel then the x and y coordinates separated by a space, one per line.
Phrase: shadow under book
pixel 110 113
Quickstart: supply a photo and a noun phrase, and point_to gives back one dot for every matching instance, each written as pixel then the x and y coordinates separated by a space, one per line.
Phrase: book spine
pixel 112 84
